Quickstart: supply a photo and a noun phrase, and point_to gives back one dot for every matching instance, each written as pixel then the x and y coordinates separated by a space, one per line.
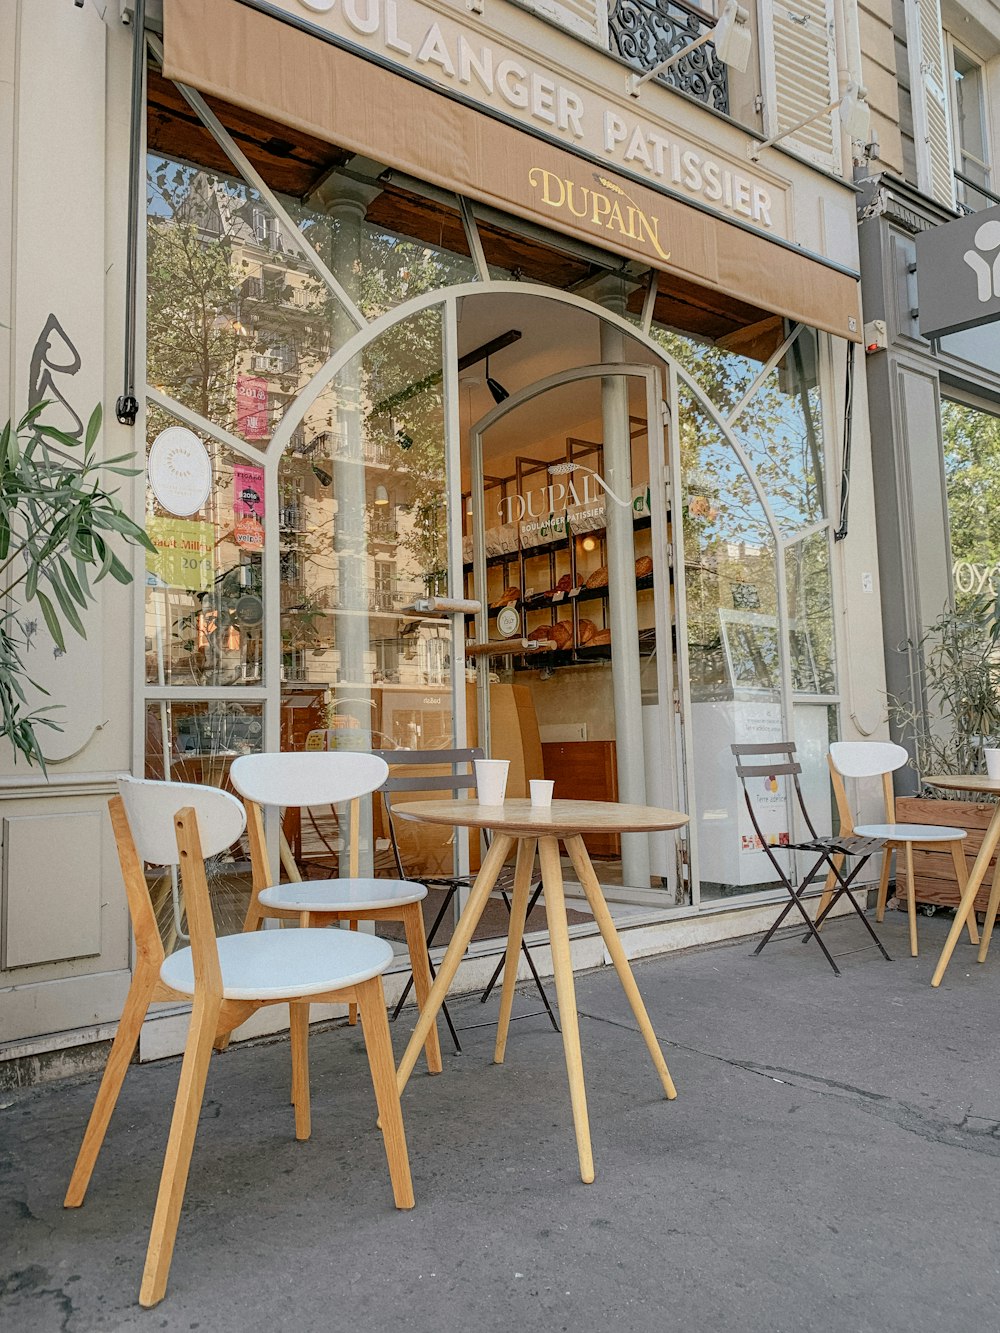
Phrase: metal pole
pixel 127 406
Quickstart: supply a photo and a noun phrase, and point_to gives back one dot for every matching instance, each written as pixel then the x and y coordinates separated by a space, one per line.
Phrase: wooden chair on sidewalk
pixel 303 779
pixel 228 979
pixel 880 759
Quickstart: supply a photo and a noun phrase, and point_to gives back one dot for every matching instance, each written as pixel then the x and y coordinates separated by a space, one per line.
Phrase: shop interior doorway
pixel 566 546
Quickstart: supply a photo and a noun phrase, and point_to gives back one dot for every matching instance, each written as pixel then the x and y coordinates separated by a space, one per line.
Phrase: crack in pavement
pixel 982 1137
pixel 27 1283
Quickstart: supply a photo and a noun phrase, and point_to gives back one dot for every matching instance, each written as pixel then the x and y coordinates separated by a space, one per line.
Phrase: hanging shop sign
pixel 248 506
pixel 958 274
pixel 184 553
pixel 597 173
pixel 251 407
pixel 179 471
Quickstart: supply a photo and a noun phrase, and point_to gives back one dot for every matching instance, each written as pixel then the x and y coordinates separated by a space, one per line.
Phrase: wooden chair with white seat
pixel 880 759
pixel 311 778
pixel 228 979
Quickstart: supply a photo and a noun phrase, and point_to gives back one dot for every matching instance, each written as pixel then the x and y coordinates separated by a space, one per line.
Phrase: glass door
pixel 566 547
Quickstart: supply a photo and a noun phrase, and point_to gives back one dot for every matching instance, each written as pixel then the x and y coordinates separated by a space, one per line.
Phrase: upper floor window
pixel 970 139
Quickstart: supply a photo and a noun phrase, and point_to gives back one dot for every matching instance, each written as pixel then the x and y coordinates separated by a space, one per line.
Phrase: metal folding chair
pixel 827 848
pixel 461 780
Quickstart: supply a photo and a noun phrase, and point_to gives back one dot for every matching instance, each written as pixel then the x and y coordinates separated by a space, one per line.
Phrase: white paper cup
pixel 491 780
pixel 541 792
pixel 992 761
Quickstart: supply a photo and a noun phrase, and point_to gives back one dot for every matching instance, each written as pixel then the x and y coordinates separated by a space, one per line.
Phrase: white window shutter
pixel 584 18
pixel 799 73
pixel 929 93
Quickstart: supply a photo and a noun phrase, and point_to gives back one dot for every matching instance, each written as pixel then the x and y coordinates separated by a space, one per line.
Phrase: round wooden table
pixel 982 786
pixel 534 828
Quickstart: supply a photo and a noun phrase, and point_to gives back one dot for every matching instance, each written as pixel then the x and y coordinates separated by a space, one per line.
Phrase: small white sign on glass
pixel 179 471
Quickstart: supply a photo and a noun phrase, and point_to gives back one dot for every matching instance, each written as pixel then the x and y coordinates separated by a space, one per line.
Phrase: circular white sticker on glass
pixel 179 471
pixel 508 621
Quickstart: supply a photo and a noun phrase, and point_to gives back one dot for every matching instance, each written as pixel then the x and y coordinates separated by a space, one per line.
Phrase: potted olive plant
pixel 59 525
pixel 949 732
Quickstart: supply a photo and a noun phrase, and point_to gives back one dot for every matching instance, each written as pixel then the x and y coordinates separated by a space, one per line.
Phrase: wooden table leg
pixel 967 904
pixel 612 942
pixel 991 914
pixel 515 932
pixel 562 966
pixel 466 924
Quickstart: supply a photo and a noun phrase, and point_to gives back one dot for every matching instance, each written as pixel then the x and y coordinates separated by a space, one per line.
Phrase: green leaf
pixel 60 436
pixel 71 581
pixel 119 571
pixel 66 605
pixel 52 620
pixel 93 427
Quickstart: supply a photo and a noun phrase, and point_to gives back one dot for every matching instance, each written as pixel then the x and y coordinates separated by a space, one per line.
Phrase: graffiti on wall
pixel 55 355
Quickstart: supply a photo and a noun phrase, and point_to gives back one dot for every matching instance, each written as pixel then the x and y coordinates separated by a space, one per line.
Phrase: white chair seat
pixel 285 964
pixel 910 832
pixel 340 895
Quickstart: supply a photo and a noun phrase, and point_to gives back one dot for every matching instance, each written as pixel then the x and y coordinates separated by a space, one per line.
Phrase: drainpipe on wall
pixel 127 406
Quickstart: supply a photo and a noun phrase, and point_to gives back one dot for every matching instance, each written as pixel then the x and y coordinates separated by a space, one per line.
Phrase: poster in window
pixel 251 407
pixel 184 551
pixel 248 506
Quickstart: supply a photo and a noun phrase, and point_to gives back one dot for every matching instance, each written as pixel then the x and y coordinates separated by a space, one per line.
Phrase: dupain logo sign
pixel 610 207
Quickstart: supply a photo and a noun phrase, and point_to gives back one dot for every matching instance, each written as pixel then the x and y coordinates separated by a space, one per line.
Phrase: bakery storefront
pixel 428 318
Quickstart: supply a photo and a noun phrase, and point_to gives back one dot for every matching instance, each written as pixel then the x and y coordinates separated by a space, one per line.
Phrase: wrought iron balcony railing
pixel 644 32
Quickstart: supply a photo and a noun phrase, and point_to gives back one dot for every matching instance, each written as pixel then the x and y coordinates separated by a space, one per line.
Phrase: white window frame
pixel 959 154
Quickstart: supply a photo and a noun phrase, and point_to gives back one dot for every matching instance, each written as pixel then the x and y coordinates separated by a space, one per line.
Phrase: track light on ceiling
pixel 495 387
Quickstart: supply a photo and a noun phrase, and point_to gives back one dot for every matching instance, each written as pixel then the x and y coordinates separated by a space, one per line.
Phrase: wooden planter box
pixel 933 872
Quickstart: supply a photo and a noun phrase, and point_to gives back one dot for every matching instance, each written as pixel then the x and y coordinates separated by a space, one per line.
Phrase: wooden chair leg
pixel 466 924
pixel 562 966
pixel 883 883
pixel 298 1024
pixel 352 1009
pixel 177 1160
pixel 828 888
pixel 612 941
pixel 378 1043
pixel 523 869
pixel 416 943
pixel 911 900
pixel 962 875
pixel 137 1002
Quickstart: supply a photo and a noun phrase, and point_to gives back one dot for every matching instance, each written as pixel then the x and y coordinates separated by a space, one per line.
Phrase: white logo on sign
pixel 179 471
pixel 987 239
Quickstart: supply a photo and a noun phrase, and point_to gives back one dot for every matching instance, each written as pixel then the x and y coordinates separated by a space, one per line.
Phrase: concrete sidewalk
pixel 832 1163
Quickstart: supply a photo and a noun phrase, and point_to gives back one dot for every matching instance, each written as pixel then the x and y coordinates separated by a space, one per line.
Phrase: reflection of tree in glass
pixel 780 429
pixel 402 391
pixel 224 296
pixel 972 470
pixel 729 551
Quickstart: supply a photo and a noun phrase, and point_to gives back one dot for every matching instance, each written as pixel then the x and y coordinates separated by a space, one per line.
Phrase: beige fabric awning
pixel 258 62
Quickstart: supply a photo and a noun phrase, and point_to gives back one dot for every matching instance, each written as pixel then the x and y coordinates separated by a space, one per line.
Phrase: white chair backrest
pixel 317 778
pixel 867 759
pixel 151 807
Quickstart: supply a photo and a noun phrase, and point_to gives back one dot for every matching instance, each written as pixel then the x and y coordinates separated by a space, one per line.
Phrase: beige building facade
pixel 439 307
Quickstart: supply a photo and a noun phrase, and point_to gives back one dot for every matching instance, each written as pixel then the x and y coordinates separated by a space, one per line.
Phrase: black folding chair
pixel 827 848
pixel 461 780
